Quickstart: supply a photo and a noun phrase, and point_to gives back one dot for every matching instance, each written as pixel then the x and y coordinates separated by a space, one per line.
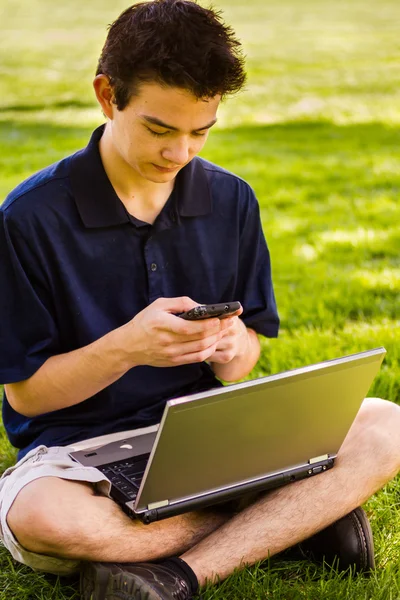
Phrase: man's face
pixel 161 130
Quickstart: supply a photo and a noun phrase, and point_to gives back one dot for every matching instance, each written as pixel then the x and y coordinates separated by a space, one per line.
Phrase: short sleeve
pixel 28 336
pixel 255 278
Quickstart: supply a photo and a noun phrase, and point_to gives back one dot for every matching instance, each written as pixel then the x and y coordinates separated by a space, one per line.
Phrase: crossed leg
pixel 66 519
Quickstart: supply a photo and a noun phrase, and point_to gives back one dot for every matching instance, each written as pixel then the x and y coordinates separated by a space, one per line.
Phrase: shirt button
pixel 153 266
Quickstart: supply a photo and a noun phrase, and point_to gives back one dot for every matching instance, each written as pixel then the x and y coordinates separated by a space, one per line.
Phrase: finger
pixel 231 318
pixel 208 327
pixel 175 305
pixel 226 344
pixel 192 329
pixel 195 357
pixel 228 323
pixel 237 313
pixel 182 349
pixel 232 330
pixel 222 356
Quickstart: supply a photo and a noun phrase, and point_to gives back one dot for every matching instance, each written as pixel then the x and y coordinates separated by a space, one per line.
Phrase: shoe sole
pixel 98 583
pixel 363 529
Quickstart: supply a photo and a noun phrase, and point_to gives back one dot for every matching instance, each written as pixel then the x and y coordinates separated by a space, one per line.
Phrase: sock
pixel 181 568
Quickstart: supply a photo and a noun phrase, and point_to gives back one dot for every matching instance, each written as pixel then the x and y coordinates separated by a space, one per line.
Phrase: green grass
pixel 316 134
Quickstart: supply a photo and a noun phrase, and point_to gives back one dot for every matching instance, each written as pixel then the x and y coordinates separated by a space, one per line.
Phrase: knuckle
pixel 164 340
pixel 175 359
pixel 167 352
pixel 159 301
pixel 171 351
pixel 156 319
pixel 227 356
pixel 203 344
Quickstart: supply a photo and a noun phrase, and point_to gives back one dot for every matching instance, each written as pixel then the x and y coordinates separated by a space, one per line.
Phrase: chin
pixel 156 177
pixel 160 178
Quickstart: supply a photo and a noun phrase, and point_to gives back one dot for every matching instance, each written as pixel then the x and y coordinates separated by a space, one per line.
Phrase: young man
pixel 99 252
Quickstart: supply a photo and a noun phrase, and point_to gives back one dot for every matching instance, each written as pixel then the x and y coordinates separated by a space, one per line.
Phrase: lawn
pixel 316 133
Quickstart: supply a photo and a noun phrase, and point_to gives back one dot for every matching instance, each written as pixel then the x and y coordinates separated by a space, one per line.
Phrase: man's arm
pixel 154 337
pixel 237 353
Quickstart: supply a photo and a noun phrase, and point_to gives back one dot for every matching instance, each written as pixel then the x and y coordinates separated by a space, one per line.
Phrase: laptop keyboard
pixel 126 475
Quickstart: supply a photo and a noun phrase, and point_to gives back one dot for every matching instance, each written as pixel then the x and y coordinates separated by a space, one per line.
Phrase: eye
pixel 197 134
pixel 156 134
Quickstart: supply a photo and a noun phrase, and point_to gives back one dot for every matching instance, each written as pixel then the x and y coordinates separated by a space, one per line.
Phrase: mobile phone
pixel 207 311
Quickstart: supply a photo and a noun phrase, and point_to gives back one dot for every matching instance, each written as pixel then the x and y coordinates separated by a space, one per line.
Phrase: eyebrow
pixel 155 121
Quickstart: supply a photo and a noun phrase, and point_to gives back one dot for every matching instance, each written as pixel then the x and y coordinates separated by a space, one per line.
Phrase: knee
pixel 379 422
pixel 39 517
pixel 382 414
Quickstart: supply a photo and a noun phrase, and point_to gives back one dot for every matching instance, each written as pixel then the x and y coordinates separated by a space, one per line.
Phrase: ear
pixel 105 95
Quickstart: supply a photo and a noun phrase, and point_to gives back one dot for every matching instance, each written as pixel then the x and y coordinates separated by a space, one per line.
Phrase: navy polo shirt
pixel 76 265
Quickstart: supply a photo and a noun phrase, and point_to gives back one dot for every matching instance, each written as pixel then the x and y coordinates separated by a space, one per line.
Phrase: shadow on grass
pixel 27 108
pixel 21 583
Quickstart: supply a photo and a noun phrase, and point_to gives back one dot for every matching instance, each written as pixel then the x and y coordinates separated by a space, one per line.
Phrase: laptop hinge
pixel 318 459
pixel 160 504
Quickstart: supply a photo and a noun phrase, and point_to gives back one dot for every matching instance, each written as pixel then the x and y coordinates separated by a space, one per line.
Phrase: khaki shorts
pixel 50 462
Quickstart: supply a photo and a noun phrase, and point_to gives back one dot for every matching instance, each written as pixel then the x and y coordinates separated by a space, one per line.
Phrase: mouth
pixel 165 169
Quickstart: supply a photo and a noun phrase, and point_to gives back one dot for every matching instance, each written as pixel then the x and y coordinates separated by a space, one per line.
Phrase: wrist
pixel 244 342
pixel 243 362
pixel 122 348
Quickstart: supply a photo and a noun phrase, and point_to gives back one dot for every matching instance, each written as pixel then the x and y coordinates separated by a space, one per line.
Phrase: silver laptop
pixel 221 444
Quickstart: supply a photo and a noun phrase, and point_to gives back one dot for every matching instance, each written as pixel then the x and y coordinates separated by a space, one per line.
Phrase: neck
pixel 142 198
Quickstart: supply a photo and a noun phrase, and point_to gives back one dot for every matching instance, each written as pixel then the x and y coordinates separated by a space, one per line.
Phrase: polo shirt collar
pixel 193 191
pixel 98 203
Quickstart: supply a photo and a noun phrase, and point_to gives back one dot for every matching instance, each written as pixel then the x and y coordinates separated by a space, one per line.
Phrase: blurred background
pixel 316 134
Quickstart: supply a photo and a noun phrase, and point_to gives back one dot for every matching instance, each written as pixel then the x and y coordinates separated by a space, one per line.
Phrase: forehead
pixel 175 106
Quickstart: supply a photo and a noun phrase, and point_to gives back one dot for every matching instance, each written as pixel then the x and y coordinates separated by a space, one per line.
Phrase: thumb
pixel 175 305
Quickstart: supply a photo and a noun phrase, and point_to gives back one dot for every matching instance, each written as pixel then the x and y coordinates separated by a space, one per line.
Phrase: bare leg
pixel 66 519
pixel 70 521
pixel 369 457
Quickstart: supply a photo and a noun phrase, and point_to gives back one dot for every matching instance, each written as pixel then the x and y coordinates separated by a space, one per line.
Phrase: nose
pixel 177 152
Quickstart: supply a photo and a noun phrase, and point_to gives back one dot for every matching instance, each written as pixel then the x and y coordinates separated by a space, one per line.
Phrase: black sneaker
pixel 346 543
pixel 131 581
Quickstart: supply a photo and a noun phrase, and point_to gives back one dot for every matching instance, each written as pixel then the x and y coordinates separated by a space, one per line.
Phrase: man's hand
pixel 237 352
pixel 234 342
pixel 157 337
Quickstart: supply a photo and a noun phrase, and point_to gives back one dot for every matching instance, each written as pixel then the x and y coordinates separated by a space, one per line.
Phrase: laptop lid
pixel 231 435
